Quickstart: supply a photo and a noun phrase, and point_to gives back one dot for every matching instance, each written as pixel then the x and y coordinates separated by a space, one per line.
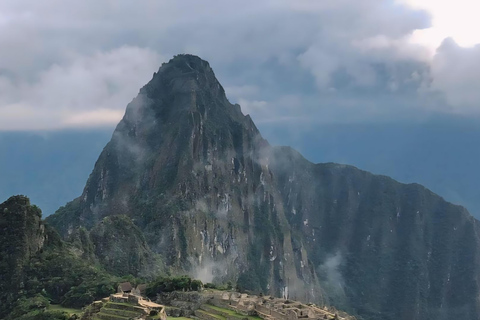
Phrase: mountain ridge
pixel 210 194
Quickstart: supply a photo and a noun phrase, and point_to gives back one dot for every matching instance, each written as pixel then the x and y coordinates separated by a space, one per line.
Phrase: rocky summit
pixel 201 192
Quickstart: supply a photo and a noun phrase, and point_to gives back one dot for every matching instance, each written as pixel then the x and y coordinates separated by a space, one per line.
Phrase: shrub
pixel 210 285
pixel 169 284
pixel 196 285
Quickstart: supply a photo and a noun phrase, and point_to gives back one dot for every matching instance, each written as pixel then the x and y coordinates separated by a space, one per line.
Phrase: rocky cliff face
pixel 120 247
pixel 216 200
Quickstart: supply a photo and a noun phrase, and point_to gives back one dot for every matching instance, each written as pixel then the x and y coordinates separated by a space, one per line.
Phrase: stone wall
pixel 133 299
pixel 277 315
pixel 262 309
pixel 292 315
pixel 247 311
pixel 221 303
pixel 118 299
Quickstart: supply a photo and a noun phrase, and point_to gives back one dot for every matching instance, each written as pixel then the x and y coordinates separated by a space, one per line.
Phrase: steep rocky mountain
pixel 214 199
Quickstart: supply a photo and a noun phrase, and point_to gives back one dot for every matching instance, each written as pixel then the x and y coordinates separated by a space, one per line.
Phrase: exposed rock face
pixel 211 195
pixel 121 248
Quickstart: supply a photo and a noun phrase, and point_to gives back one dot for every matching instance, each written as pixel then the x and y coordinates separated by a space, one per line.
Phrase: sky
pixel 76 64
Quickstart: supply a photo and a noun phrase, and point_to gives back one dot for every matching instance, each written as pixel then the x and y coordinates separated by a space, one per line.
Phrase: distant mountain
pixel 213 198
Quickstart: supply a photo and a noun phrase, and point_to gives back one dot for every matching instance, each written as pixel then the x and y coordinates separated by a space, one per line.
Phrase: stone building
pixel 124 287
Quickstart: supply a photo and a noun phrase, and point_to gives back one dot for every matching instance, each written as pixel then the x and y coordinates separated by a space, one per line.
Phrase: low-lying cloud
pixel 95 118
pixel 331 278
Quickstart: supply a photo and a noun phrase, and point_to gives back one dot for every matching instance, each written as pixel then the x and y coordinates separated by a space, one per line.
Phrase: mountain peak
pixel 184 73
pixel 184 87
pixel 186 65
pixel 188 61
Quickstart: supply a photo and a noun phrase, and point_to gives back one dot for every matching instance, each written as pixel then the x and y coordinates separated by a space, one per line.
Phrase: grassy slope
pixel 70 311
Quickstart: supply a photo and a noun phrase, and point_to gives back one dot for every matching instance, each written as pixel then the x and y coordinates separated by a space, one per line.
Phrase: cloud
pixel 87 90
pixel 95 118
pixel 454 72
pixel 209 271
pixel 62 62
pixel 236 92
pixel 252 106
pixel 331 278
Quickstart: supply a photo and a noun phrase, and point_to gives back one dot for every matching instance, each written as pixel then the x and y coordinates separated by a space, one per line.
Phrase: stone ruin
pixel 271 308
pixel 126 303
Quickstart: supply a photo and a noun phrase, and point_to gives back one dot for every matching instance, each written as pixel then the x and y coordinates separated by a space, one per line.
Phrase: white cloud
pixel 87 90
pixel 95 118
pixel 238 92
pixel 64 61
pixel 253 106
pixel 455 74
pixel 360 34
pixel 455 19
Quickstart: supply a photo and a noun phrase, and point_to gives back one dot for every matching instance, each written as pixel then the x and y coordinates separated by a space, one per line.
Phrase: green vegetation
pixel 221 287
pixel 248 281
pixel 70 311
pixel 36 308
pixel 56 275
pixel 65 279
pixel 169 284
pixel 39 268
